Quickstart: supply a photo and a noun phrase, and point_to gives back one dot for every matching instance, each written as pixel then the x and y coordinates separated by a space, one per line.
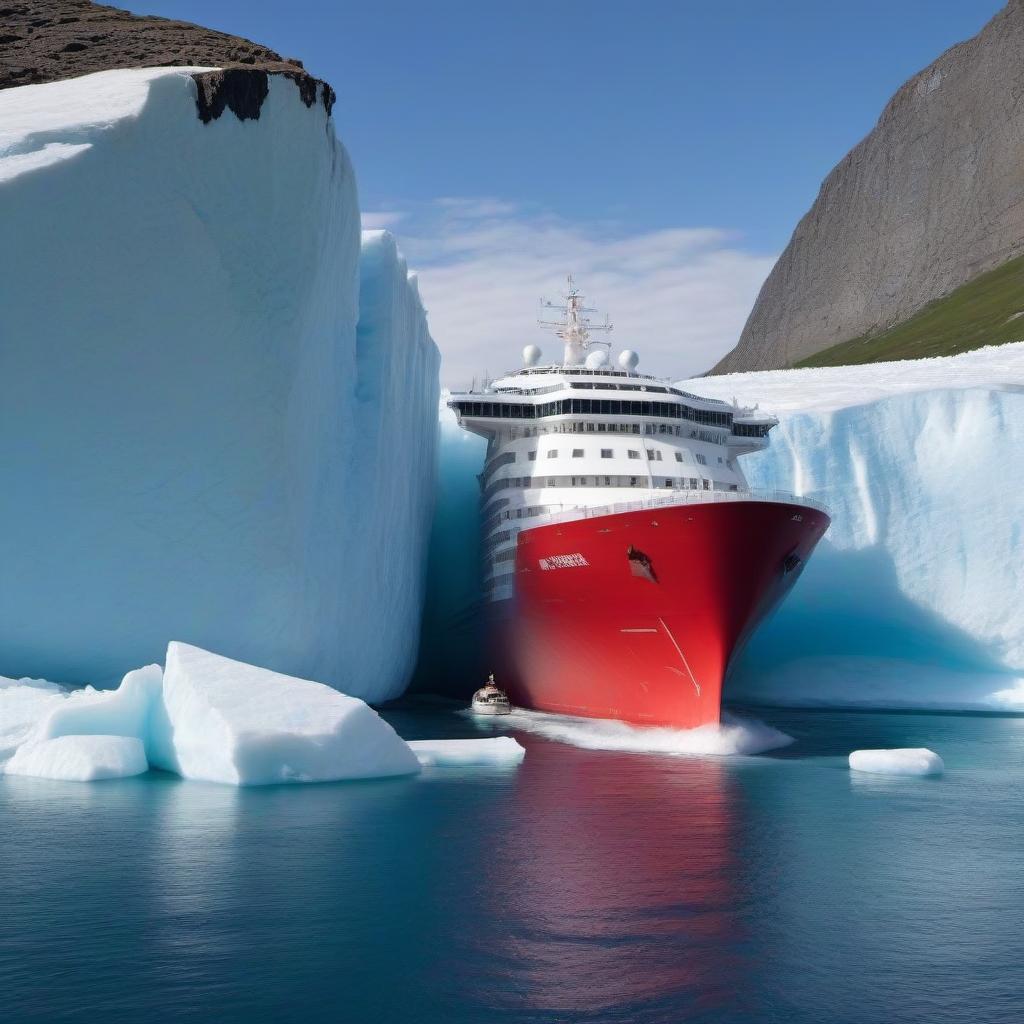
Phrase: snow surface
pixel 913 597
pixel 734 736
pixel 899 761
pixel 80 758
pixel 500 750
pixel 217 422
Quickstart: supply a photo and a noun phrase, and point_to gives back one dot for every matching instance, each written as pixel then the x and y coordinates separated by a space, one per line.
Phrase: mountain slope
pixel 932 198
pixel 985 311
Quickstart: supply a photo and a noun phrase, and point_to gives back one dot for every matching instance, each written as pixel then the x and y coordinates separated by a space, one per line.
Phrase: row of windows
pixel 505 580
pixel 751 429
pixel 600 480
pixel 590 427
pixel 653 454
pixel 603 386
pixel 594 407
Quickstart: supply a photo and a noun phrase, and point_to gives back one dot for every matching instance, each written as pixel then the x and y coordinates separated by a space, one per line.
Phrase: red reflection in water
pixel 613 879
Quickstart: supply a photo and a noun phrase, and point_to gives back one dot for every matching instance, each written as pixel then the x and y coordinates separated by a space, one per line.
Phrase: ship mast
pixel 574 327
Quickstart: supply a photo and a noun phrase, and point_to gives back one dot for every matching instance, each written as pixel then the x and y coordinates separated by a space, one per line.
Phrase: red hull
pixel 637 615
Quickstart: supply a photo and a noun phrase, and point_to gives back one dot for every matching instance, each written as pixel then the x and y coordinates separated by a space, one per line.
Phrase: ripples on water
pixel 584 885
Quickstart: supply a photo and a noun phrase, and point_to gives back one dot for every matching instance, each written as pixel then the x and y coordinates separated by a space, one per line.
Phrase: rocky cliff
pixel 49 40
pixel 931 199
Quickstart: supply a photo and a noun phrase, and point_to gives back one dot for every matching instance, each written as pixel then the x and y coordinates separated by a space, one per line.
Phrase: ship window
pixel 532 456
pixel 602 428
pixel 553 454
pixel 632 481
pixel 577 453
pixel 590 427
pixel 634 454
pixel 606 453
pixel 707 485
pixel 693 481
pixel 679 456
pixel 553 481
pixel 668 481
pixel 700 458
pixel 607 481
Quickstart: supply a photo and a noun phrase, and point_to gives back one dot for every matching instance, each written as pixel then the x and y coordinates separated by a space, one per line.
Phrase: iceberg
pixel 899 761
pixel 497 750
pixel 219 404
pixel 214 719
pixel 224 721
pixel 912 598
pixel 80 758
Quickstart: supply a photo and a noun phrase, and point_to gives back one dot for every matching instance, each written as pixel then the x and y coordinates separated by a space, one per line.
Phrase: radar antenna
pixel 574 327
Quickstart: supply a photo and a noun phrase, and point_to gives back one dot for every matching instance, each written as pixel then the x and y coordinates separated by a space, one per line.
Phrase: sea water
pixel 584 885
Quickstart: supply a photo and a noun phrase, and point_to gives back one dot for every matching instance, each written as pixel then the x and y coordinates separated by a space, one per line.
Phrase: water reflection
pixel 613 882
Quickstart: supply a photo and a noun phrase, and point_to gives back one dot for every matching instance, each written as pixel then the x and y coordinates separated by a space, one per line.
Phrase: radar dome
pixel 597 359
pixel 531 355
pixel 628 360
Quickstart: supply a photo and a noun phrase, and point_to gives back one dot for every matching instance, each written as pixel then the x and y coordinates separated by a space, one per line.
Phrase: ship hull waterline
pixel 636 616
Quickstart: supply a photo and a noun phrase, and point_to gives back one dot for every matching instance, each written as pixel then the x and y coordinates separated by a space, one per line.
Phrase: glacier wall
pixel 913 597
pixel 187 377
pixel 452 654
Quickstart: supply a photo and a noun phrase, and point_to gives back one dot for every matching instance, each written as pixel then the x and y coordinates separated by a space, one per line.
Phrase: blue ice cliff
pixel 219 409
pixel 913 597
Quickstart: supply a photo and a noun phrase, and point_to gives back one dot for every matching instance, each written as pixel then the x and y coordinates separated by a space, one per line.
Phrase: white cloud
pixel 373 219
pixel 679 296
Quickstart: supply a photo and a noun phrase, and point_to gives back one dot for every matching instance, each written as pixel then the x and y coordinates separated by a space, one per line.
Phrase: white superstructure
pixel 581 438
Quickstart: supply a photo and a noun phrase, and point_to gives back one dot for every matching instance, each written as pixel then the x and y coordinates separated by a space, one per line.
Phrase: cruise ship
pixel 626 560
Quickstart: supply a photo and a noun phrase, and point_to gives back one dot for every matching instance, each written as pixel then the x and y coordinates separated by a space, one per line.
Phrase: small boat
pixel 490 699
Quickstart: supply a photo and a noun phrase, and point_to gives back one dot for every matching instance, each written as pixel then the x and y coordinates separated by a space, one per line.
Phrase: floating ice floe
pixel 898 761
pixel 496 750
pixel 225 721
pixel 211 718
pixel 80 758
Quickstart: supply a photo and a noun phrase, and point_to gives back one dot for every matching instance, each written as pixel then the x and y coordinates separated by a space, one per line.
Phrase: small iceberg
pixel 497 750
pixel 80 758
pixel 899 761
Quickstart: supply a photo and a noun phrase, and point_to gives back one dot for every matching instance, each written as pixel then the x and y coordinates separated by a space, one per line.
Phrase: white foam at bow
pixel 733 736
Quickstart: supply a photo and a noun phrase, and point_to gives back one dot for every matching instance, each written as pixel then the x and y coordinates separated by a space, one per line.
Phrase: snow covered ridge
pixel 219 416
pixel 211 718
pixel 913 597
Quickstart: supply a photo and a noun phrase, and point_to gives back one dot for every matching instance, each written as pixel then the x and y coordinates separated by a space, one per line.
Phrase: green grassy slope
pixel 986 311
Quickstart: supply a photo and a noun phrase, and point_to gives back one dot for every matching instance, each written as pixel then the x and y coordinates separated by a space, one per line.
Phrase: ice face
pixel 188 402
pixel 899 761
pixel 80 758
pixel 452 644
pixel 912 598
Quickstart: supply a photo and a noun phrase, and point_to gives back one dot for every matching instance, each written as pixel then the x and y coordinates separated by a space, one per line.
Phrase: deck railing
pixel 571 512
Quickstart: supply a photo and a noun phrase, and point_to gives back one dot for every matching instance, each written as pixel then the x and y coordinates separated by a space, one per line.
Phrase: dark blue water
pixel 582 886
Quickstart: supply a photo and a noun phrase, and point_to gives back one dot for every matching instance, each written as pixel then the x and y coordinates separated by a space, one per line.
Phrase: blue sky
pixel 664 150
